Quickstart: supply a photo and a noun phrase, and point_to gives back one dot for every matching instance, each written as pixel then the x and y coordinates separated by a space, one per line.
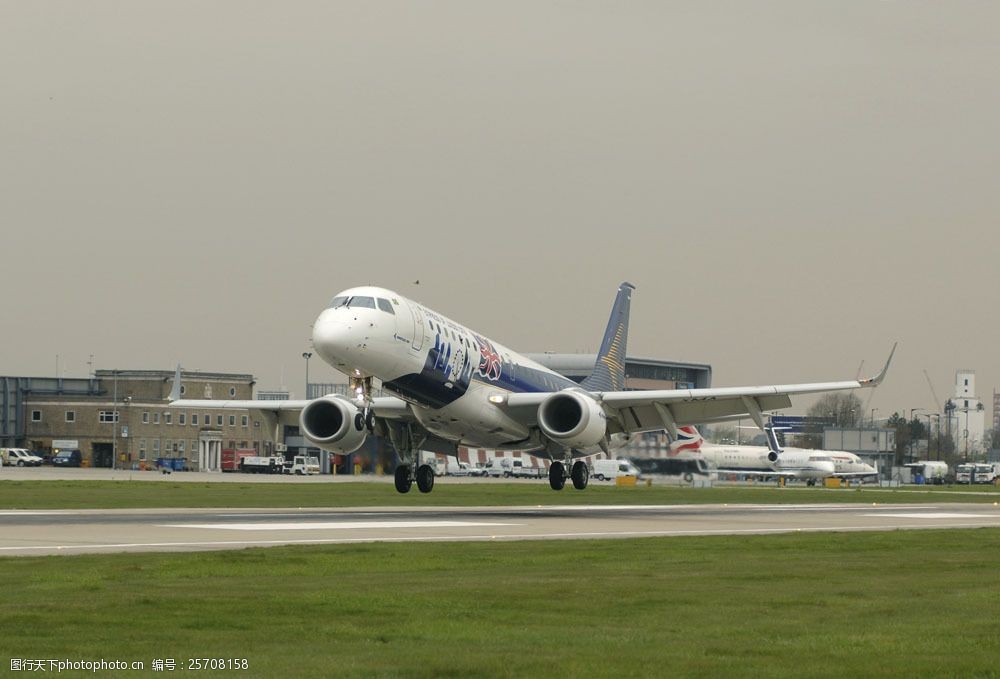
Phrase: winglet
pixel 175 391
pixel 877 380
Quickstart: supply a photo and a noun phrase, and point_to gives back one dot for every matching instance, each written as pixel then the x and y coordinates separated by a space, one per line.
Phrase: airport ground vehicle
pixel 231 458
pixel 67 458
pixel 612 469
pixel 466 469
pixel 976 472
pixel 20 457
pixel 262 464
pixel 520 470
pixel 463 469
pixel 928 471
pixel 304 465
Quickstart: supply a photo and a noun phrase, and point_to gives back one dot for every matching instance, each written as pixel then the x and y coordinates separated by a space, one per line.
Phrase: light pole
pixel 913 410
pixel 307 355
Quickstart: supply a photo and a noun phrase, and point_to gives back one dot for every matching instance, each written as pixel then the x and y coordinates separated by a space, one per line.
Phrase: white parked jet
pixel 455 387
pixel 796 463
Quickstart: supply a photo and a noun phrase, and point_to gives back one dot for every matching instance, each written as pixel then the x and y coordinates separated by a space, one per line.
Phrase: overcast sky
pixel 792 186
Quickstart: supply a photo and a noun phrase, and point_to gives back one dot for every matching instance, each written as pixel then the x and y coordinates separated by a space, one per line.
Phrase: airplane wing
pixel 785 472
pixel 634 412
pixel 287 412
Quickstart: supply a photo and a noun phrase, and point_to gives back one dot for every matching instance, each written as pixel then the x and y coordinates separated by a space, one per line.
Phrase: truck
pixel 976 472
pixel 928 471
pixel 520 470
pixel 262 464
pixel 232 457
pixel 304 465
pixel 612 469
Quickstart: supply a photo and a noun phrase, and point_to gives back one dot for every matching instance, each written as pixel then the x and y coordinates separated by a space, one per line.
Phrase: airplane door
pixel 418 327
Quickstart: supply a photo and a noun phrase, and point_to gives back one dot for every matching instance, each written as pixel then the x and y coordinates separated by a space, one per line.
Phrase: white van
pixel 20 457
pixel 612 469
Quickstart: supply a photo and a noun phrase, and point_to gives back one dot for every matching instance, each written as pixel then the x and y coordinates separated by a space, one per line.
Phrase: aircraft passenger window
pixel 384 305
pixel 365 302
pixel 338 302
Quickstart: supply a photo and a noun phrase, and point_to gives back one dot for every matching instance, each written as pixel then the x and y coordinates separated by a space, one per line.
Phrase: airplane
pixel 451 386
pixel 771 460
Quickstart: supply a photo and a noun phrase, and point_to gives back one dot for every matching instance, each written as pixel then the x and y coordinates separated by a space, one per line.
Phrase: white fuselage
pixel 797 462
pixel 803 464
pixel 446 371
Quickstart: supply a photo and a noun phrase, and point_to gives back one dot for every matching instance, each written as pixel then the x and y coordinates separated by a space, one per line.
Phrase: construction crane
pixel 937 401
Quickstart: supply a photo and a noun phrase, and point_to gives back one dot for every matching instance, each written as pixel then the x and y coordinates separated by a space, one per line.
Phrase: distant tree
pixel 842 409
pixel 719 434
pixel 837 409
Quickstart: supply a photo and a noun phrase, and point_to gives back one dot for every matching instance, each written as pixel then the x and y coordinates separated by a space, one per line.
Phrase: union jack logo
pixel 490 363
pixel 688 438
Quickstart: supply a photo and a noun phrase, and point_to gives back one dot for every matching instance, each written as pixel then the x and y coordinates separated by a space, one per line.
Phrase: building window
pixel 145 417
pixel 181 418
pixel 232 391
pixel 194 419
pixel 156 446
pixel 107 416
pixel 232 444
pixel 167 417
pixel 218 420
pixel 156 418
pixel 71 416
pixel 142 447
pixel 232 420
pixel 180 446
pixel 167 443
pixel 36 415
pixel 183 390
pixel 246 420
pixel 256 424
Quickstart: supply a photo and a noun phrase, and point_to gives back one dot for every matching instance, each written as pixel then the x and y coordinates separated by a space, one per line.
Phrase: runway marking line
pixel 335 525
pixel 481 538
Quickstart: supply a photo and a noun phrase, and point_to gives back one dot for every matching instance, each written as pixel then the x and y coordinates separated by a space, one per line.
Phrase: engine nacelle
pixel 573 419
pixel 333 424
pixel 772 457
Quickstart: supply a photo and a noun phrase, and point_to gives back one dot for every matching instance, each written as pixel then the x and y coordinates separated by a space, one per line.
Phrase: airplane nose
pixel 331 337
pixel 826 467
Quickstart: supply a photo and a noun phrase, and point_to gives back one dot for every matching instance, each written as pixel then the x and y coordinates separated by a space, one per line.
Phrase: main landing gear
pixel 405 478
pixel 580 475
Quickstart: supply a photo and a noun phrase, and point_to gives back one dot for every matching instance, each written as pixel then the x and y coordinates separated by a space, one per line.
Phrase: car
pixel 67 458
pixel 21 457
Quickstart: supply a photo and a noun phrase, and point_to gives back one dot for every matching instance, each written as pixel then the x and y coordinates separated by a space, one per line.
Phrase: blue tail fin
pixel 609 370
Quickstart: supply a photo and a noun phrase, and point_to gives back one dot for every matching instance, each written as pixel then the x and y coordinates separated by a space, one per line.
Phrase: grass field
pixel 920 603
pixel 30 494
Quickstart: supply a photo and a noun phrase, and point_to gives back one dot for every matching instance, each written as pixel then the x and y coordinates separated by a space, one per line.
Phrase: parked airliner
pixel 454 387
pixel 772 460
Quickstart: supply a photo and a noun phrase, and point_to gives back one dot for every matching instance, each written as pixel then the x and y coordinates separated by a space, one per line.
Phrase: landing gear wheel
pixel 403 480
pixel 425 478
pixel 580 474
pixel 370 420
pixel 557 476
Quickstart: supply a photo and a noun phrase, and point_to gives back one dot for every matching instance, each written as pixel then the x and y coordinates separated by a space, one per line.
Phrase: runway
pixel 44 532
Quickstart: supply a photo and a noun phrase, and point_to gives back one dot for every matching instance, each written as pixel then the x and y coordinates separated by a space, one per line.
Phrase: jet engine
pixel 334 424
pixel 573 419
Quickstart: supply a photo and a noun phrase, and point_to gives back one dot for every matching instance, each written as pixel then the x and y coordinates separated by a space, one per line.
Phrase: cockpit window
pixel 338 302
pixel 384 305
pixel 366 302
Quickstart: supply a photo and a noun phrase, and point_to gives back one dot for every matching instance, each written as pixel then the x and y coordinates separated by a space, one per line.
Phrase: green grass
pixel 30 494
pixel 908 604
